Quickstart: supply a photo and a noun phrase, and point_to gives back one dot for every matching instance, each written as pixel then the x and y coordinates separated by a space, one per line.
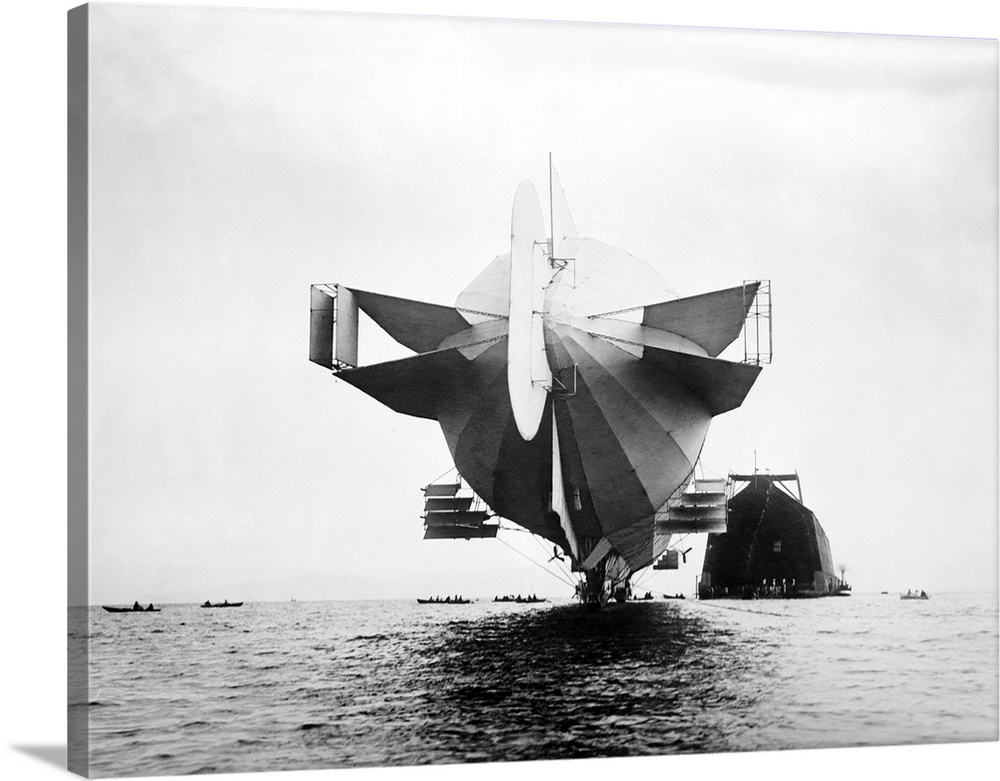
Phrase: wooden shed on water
pixel 774 545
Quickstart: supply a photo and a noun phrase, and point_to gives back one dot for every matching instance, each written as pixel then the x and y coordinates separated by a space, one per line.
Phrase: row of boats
pixel 458 599
pixel 531 599
pixel 137 608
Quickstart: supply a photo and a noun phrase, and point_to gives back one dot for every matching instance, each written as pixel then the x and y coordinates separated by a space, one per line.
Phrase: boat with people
pixel 136 608
pixel 456 600
pixel 531 599
pixel 224 603
pixel 914 595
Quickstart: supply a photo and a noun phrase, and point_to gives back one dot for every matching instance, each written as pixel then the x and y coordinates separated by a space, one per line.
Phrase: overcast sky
pixel 239 156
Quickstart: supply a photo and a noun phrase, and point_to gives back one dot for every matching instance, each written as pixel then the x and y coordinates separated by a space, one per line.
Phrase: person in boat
pixel 923 594
pixel 208 603
pixel 225 603
pixel 150 606
pixel 137 606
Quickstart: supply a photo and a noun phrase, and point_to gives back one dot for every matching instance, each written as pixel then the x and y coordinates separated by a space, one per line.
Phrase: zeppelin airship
pixel 574 388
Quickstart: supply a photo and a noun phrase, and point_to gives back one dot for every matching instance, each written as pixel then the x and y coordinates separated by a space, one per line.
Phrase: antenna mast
pixel 552 219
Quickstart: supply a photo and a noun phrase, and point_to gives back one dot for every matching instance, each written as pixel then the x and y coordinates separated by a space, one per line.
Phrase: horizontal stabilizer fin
pixel 721 385
pixel 486 531
pixel 701 525
pixel 456 518
pixel 711 320
pixel 450 518
pixel 420 385
pixel 441 489
pixel 669 560
pixel 414 324
pixel 454 503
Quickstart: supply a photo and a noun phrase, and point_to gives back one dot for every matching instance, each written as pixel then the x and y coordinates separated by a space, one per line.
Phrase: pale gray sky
pixel 240 156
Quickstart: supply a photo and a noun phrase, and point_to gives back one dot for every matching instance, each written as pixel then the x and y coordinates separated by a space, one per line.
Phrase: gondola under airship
pixel 573 386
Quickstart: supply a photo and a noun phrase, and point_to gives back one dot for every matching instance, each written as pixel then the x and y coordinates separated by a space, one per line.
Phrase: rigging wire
pixel 648 574
pixel 559 563
pixel 446 472
pixel 562 568
pixel 541 566
pixel 536 538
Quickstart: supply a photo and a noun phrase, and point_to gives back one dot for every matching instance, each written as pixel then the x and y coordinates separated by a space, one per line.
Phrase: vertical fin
pixel 333 326
pixel 528 372
pixel 321 314
pixel 559 492
pixel 561 221
pixel 346 328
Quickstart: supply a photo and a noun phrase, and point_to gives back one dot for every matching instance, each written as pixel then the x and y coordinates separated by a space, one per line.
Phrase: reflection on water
pixel 637 679
pixel 335 684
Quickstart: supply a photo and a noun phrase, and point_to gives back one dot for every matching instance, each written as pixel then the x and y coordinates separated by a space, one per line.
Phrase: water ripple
pixel 391 683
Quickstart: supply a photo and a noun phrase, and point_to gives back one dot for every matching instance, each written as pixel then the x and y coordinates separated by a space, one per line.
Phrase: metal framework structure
pixel 757 349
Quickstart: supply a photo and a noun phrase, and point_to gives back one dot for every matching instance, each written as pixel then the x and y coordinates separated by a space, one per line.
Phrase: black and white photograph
pixel 446 390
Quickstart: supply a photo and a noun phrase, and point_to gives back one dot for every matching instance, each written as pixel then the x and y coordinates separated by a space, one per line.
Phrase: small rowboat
pixel 149 609
pixel 223 604
pixel 520 600
pixel 443 601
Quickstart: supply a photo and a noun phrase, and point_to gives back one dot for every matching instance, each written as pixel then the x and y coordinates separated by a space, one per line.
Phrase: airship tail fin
pixel 558 493
pixel 421 385
pixel 528 372
pixel 334 326
pixel 721 385
pixel 711 320
pixel 414 324
pixel 561 222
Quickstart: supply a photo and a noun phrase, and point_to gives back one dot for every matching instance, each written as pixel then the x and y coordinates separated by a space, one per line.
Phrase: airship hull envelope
pixel 574 387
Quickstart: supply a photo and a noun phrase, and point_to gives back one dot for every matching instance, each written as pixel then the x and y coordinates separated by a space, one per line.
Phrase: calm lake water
pixel 305 685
